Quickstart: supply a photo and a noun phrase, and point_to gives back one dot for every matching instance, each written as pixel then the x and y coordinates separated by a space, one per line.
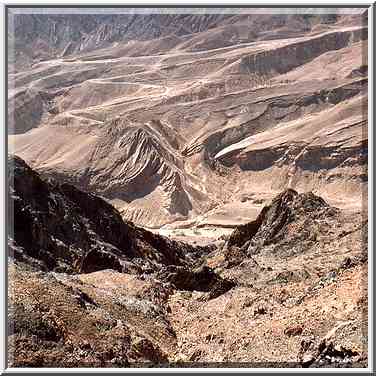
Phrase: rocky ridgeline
pixel 293 224
pixel 272 224
pixel 41 36
pixel 89 289
pixel 60 228
pixel 285 58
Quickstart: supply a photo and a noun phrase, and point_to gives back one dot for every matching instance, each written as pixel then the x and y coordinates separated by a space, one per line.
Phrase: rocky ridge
pixel 60 228
pixel 115 295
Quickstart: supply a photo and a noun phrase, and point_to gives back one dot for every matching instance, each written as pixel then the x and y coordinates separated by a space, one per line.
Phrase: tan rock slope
pixel 185 124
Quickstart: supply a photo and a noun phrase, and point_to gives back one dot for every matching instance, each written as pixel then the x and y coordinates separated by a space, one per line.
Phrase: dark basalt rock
pixel 98 260
pixel 268 223
pixel 67 230
pixel 271 225
pixel 324 353
pixel 32 322
pixel 202 279
pixel 145 349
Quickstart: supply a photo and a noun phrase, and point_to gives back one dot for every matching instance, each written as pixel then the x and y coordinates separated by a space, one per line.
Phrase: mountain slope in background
pixel 198 118
pixel 39 35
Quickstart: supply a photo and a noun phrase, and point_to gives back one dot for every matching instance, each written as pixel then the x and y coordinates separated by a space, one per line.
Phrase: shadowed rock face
pixel 112 312
pixel 62 228
pixel 26 110
pixel 200 279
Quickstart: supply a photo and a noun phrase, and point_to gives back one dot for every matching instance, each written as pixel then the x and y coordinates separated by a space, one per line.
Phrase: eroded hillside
pixel 188 189
pixel 197 124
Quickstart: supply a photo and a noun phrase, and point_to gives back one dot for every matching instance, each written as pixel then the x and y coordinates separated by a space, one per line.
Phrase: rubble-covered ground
pixel 286 290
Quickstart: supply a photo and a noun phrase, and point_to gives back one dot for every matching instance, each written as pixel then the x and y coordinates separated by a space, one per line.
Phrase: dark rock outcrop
pixel 96 260
pixel 55 226
pixel 202 279
pixel 324 353
pixel 289 219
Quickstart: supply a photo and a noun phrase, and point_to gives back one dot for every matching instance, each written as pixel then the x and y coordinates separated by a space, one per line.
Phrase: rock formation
pixel 139 109
pixel 188 189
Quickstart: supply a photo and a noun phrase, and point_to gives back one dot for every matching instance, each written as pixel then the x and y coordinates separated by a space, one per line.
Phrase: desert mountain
pixel 40 36
pixel 193 119
pixel 88 289
pixel 187 189
pixel 58 235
